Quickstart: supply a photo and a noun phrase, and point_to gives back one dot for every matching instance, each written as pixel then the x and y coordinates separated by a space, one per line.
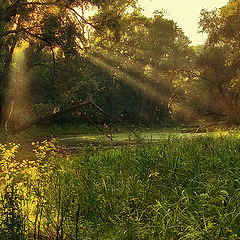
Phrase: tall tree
pixel 50 27
pixel 146 55
pixel 223 43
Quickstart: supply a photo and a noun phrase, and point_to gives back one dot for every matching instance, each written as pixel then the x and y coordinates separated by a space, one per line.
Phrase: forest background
pixel 56 57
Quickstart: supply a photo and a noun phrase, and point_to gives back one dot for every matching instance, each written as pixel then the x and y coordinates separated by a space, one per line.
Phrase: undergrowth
pixel 179 189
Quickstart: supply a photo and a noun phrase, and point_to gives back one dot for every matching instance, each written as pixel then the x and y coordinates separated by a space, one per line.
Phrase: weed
pixel 181 188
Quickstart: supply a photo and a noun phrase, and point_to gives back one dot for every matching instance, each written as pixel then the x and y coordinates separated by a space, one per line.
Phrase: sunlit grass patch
pixel 180 188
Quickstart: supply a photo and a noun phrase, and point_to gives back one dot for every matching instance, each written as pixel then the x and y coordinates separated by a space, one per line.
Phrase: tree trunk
pixel 70 109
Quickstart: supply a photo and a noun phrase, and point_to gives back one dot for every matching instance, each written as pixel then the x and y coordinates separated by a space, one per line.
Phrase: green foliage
pixel 144 64
pixel 12 221
pixel 222 27
pixel 137 68
pixel 179 189
pixel 212 91
pixel 12 224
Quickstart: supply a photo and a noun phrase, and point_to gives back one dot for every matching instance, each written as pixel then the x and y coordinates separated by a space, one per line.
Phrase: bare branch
pixel 112 117
pixel 96 126
pixel 75 12
pixel 47 118
pixel 10 11
pixel 71 109
pixel 15 31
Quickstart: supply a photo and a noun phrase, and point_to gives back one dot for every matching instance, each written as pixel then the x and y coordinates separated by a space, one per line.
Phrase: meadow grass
pixel 182 188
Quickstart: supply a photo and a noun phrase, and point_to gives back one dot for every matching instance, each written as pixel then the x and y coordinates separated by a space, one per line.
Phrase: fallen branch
pixel 112 117
pixel 50 117
pixel 212 125
pixel 71 109
pixel 96 126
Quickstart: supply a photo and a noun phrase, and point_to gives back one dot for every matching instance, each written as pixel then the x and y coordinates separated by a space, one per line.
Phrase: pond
pixel 124 138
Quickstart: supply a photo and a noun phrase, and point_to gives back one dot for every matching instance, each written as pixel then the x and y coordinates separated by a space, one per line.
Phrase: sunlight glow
pixel 18 102
pixel 185 12
pixel 143 87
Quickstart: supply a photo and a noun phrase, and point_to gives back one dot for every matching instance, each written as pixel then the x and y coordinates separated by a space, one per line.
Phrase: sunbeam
pixel 18 107
pixel 141 82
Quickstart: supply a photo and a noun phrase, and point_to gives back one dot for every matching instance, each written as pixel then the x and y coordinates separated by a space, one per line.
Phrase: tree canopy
pixel 56 54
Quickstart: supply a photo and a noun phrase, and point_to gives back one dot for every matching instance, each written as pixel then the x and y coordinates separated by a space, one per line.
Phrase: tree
pixel 145 57
pixel 122 55
pixel 213 84
pixel 223 48
pixel 55 33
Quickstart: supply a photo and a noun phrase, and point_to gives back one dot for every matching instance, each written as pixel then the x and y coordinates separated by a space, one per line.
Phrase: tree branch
pixel 10 11
pixel 70 109
pixel 60 5
pixel 112 117
pixel 193 74
pixel 96 126
pixel 50 117
pixel 20 30
pixel 73 10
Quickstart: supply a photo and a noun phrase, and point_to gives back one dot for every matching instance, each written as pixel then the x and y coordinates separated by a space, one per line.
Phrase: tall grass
pixel 179 189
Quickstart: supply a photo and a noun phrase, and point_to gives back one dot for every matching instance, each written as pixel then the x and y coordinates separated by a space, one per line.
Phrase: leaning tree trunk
pixel 70 109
